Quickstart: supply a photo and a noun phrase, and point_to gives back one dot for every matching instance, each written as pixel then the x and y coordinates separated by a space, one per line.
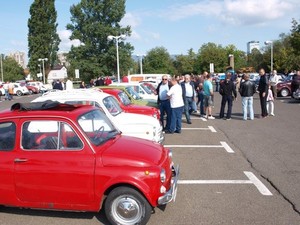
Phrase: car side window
pixel 7 136
pixel 49 135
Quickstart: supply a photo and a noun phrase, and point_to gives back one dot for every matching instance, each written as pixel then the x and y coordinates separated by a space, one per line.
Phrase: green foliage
pixel 12 71
pixel 295 36
pixel 91 23
pixel 158 60
pixel 255 59
pixel 211 53
pixel 185 64
pixel 43 40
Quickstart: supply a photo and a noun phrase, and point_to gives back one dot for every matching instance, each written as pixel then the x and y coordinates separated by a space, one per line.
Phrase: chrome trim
pixel 171 193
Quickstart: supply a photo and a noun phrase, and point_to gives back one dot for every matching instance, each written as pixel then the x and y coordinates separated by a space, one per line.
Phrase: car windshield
pixel 146 89
pixel 289 77
pixel 112 105
pixel 133 93
pixel 124 98
pixel 97 127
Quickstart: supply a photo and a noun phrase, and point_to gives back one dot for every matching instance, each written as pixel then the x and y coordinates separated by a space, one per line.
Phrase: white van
pixel 157 78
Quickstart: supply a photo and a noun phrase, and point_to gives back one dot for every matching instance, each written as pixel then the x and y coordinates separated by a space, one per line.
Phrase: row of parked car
pixel 284 87
pixel 87 149
pixel 25 88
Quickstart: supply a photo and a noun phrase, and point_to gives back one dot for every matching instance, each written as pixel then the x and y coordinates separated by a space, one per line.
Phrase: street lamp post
pixel 271 44
pixel 117 38
pixel 1 69
pixel 43 63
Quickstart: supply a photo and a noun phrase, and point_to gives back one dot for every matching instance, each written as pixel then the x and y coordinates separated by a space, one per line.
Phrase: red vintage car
pixel 66 157
pixel 127 106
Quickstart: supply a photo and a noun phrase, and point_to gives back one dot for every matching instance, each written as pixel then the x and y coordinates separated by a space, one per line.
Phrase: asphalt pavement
pixel 231 172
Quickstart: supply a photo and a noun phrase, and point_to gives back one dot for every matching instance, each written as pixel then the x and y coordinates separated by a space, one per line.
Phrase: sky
pixel 177 25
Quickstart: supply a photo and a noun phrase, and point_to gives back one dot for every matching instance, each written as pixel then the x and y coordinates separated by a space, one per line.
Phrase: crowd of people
pixel 184 94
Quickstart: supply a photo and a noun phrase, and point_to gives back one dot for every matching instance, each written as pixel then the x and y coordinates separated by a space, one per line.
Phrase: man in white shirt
pixel 163 102
pixel 188 95
pixel 69 85
pixel 176 101
pixel 274 79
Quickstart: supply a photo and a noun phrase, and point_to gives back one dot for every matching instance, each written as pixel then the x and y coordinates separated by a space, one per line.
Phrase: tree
pixel 240 59
pixel 92 21
pixel 185 64
pixel 158 60
pixel 295 36
pixel 255 60
pixel 12 71
pixel 43 40
pixel 211 53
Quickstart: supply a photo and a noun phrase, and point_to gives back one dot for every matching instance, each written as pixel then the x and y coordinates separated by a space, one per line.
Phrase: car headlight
pixel 170 153
pixel 162 175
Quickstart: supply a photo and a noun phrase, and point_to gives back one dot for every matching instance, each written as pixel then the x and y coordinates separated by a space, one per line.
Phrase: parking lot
pixel 231 172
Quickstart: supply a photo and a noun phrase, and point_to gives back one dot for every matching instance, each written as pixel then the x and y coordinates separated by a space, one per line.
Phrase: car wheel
pixel 19 93
pixel 30 92
pixel 127 206
pixel 284 92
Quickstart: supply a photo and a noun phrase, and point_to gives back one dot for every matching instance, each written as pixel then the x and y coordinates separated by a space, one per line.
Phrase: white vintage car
pixel 141 89
pixel 130 124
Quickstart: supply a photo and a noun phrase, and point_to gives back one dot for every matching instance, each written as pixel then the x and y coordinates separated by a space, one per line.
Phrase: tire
pixel 30 92
pixel 284 92
pixel 127 206
pixel 19 93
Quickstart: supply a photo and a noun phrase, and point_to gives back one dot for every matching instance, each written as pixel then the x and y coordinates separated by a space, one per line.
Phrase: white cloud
pixel 234 12
pixel 131 20
pixel 66 43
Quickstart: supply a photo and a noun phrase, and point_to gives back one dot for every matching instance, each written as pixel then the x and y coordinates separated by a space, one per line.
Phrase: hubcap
pixel 126 210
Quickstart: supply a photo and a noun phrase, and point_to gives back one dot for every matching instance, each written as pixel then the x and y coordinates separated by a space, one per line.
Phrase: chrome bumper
pixel 161 138
pixel 171 194
pixel 296 95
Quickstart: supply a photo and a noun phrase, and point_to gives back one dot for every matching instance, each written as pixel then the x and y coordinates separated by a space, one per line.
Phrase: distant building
pixel 62 58
pixel 252 45
pixel 57 73
pixel 19 57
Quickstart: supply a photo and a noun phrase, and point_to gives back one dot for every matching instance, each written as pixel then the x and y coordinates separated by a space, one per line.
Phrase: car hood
pixel 133 152
pixel 140 107
pixel 124 120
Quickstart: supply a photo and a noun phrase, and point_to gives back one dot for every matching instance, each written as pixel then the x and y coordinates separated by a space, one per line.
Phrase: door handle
pixel 20 160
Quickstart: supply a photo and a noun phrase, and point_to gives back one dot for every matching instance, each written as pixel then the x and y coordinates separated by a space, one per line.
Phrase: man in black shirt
pixel 263 87
pixel 228 92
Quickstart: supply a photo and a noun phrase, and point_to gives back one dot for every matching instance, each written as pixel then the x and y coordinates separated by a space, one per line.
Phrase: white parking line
pixel 227 147
pixel 223 145
pixel 259 185
pixel 252 180
pixel 197 118
pixel 211 128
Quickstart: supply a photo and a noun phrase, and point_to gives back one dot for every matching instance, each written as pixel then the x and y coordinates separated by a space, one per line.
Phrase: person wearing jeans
pixel 188 95
pixel 163 102
pixel 177 104
pixel 228 92
pixel 247 90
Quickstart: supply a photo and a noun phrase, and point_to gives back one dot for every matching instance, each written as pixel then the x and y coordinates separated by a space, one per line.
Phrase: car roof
pixel 44 109
pixel 74 94
pixel 111 90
